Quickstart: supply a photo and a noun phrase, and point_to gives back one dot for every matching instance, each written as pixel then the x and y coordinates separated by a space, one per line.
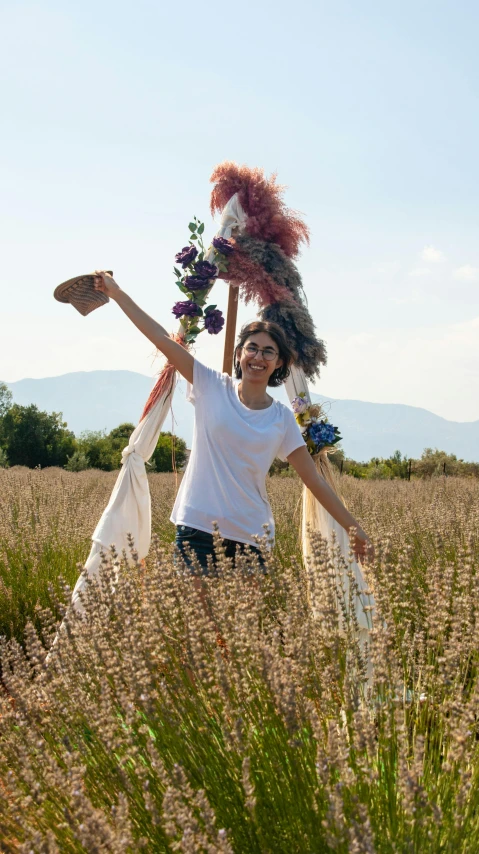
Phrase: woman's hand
pixel 362 546
pixel 106 284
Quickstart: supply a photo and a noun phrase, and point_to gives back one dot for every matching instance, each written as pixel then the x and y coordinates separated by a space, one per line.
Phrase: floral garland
pixel 318 433
pixel 196 281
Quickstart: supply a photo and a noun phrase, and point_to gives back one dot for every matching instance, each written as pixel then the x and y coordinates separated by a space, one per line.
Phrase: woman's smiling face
pixel 255 367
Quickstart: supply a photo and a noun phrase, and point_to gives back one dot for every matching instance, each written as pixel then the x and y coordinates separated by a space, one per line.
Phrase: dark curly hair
pixel 276 333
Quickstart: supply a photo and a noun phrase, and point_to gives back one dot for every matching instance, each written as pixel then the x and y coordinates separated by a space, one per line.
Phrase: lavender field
pixel 239 720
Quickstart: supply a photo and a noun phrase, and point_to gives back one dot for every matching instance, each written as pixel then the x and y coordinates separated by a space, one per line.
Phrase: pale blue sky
pixel 114 116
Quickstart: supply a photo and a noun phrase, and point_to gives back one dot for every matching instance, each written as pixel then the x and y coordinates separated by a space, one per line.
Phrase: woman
pixel 239 430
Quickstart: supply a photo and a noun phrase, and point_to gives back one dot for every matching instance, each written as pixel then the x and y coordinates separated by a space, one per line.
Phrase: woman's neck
pixel 253 396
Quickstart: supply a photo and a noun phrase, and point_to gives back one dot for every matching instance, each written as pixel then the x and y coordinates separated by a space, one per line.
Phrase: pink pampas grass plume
pixel 262 200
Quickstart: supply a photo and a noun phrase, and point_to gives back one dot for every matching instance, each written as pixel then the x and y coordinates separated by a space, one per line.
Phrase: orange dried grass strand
pixel 164 383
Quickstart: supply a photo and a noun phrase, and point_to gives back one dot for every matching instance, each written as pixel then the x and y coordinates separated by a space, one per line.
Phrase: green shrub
pixel 33 438
pixel 378 470
pixel 104 449
pixel 78 462
pixel 169 450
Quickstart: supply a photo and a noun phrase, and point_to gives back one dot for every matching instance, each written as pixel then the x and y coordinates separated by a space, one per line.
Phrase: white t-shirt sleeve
pixel 204 381
pixel 293 438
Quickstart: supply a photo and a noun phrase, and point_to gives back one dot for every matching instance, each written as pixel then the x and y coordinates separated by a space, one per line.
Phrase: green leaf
pixel 210 308
pixel 192 226
pixel 177 272
pixel 201 228
pixel 193 237
pixel 200 311
pixel 182 288
pixel 194 330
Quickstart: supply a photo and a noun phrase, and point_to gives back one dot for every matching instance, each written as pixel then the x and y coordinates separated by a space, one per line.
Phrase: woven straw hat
pixel 80 292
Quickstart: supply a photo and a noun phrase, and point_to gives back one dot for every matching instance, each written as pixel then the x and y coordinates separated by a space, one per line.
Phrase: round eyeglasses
pixel 267 352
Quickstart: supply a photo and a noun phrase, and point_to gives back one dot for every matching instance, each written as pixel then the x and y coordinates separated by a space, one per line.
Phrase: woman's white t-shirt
pixel 232 451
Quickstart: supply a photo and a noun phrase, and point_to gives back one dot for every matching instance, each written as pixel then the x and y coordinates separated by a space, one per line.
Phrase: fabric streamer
pixel 129 508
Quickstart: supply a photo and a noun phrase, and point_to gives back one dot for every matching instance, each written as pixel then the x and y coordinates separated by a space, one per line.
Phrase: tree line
pixel 432 463
pixel 30 437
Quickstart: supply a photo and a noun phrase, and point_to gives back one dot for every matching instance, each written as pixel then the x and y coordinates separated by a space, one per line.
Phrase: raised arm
pixel 174 352
pixel 301 460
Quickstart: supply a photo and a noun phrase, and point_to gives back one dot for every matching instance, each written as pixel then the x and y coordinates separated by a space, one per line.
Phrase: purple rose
pixel 222 245
pixel 214 321
pixel 195 283
pixel 186 256
pixel 205 270
pixel 185 309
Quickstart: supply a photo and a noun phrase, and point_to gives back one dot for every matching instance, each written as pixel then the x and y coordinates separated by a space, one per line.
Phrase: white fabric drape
pixel 316 518
pixel 232 217
pixel 129 508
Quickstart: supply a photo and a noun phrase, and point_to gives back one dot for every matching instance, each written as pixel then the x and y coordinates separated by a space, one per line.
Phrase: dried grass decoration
pixel 262 264
pixel 80 292
pixel 255 254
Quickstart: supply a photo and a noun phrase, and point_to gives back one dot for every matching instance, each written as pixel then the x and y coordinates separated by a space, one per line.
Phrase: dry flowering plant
pixel 241 717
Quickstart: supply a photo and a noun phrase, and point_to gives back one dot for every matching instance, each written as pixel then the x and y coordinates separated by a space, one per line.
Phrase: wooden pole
pixel 230 335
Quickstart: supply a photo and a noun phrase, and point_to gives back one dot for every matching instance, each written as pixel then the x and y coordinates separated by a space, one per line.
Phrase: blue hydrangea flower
pixel 322 434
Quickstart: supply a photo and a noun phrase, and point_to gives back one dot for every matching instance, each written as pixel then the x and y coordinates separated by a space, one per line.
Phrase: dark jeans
pixel 202 544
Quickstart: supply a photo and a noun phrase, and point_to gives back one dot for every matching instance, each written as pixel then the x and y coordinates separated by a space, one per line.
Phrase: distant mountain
pixel 97 400
pixel 379 429
pixel 100 400
pixel 89 400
